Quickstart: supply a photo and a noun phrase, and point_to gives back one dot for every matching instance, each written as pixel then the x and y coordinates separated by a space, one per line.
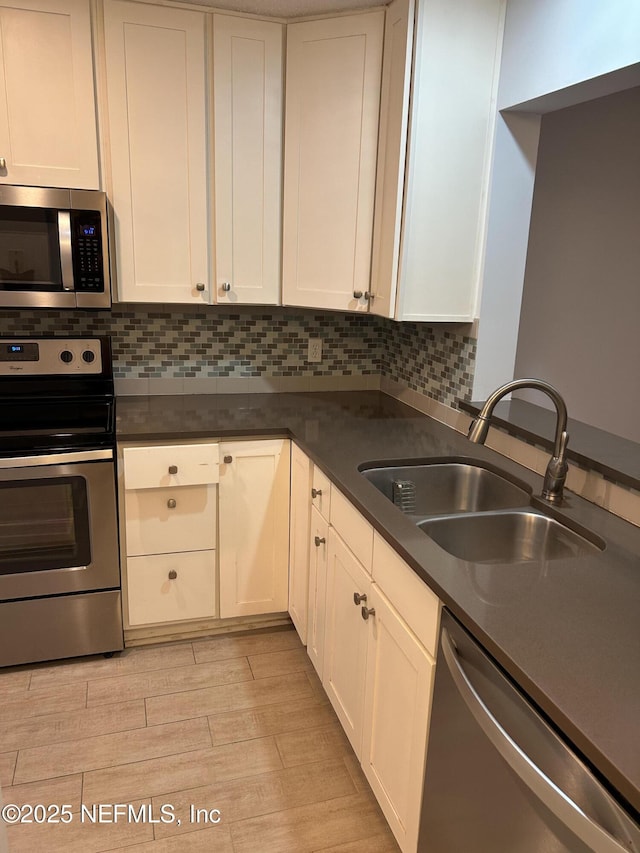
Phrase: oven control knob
pixel 88 356
pixel 66 356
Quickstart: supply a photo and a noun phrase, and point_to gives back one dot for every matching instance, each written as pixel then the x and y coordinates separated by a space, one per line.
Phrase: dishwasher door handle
pixel 559 803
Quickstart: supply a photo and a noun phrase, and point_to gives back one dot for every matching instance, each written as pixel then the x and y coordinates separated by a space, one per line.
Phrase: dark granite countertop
pixel 567 631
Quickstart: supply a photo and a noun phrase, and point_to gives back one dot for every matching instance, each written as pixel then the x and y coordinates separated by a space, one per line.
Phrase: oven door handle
pixel 66 256
pixel 559 803
pixel 56 459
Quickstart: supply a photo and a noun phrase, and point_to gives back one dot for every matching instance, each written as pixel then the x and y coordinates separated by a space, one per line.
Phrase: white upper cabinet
pixel 156 79
pixel 435 157
pixel 248 93
pixel 47 105
pixel 331 129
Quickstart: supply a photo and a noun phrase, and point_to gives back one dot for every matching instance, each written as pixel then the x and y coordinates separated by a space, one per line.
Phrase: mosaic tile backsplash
pixel 167 342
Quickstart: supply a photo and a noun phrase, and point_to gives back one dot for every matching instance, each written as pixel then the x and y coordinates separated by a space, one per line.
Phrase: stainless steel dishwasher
pixel 498 778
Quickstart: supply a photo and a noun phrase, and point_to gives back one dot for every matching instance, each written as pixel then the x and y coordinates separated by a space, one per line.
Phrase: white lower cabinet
pixel 171 587
pixel 168 498
pixel 299 521
pixel 379 666
pixel 345 645
pixel 318 536
pixel 399 682
pixel 254 527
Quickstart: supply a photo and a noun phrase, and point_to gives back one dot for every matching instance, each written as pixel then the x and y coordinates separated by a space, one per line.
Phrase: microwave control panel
pixel 88 256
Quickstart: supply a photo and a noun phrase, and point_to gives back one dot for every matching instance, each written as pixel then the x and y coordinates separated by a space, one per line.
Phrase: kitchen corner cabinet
pixel 254 527
pixel 248 95
pixel 48 133
pixel 170 514
pixel 156 86
pixel 434 157
pixel 332 106
pixel 299 526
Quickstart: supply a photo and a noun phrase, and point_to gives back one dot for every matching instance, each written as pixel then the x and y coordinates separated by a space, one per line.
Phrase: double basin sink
pixel 478 514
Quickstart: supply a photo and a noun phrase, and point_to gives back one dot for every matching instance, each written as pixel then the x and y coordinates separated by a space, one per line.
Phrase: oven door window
pixel 44 525
pixel 29 249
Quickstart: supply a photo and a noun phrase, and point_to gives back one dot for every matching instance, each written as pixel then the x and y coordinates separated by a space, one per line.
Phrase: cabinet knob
pixel 171 503
pixel 228 459
pixel 200 287
pixel 357 294
pixel 315 493
pixel 226 286
pixel 367 611
pixel 173 469
pixel 319 540
pixel 3 163
pixel 358 599
pixel 173 575
pixel 369 296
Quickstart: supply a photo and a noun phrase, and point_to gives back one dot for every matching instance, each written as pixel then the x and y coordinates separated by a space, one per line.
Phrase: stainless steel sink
pixel 441 488
pixel 508 537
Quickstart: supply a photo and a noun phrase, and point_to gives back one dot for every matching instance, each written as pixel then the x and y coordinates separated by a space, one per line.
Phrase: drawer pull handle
pixel 173 469
pixel 367 611
pixel 315 493
pixel 358 599
pixel 228 459
pixel 319 540
pixel 171 503
pixel 173 575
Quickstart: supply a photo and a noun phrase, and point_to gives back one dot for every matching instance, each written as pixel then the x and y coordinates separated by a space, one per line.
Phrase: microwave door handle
pixel 66 259
pixel 589 832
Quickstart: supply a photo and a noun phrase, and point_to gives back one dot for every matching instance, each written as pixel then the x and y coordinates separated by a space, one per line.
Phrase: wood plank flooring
pixel 238 724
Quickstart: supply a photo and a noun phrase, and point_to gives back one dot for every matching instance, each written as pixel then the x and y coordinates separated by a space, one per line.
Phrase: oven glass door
pixel 58 524
pixel 44 524
pixel 30 249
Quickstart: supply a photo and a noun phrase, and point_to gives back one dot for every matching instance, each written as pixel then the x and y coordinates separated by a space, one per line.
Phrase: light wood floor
pixel 240 724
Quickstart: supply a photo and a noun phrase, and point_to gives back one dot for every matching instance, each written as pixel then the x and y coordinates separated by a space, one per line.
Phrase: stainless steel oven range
pixel 59 561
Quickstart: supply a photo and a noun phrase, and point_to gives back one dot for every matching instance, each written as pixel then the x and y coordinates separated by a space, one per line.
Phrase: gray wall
pixel 580 320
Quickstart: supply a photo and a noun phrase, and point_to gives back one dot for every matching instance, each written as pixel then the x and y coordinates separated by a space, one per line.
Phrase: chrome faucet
pixel 556 472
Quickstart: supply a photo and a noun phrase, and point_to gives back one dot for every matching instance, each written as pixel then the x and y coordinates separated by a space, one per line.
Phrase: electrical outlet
pixel 314 349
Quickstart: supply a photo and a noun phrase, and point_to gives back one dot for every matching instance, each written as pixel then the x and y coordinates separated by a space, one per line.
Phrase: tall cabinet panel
pixel 332 105
pixel 47 106
pixel 299 525
pixel 156 78
pixel 435 157
pixel 247 87
pixel 254 527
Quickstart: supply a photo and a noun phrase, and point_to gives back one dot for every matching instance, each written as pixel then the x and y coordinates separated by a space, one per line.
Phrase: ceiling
pixel 289 8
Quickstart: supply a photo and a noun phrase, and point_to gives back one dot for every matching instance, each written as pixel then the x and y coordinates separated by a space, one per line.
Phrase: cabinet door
pixel 47 106
pixel 156 74
pixel 247 89
pixel 299 540
pixel 392 148
pixel 319 534
pixel 332 104
pixel 254 527
pixel 345 641
pixel 399 683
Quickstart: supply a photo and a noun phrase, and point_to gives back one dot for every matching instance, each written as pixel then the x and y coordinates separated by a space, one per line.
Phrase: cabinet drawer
pixel 179 519
pixel 154 596
pixel 170 465
pixel 411 597
pixel 356 532
pixel 321 487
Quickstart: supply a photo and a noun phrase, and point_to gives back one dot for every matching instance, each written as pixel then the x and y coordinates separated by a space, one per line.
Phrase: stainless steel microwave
pixel 54 251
